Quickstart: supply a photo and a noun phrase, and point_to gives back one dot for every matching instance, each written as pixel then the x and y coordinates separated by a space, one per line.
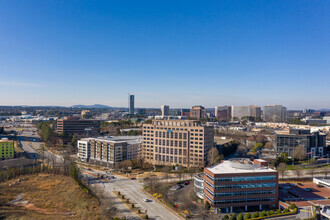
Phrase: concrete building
pixel 172 142
pixel 239 184
pixel 6 149
pixel 107 151
pixel 245 111
pixel 274 113
pixel 165 110
pixel 286 142
pixel 131 104
pixel 223 113
pixel 197 112
pixel 86 114
pixel 327 118
pixel 185 112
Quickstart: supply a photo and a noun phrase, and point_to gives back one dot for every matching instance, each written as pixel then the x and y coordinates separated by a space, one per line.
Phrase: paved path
pixel 132 190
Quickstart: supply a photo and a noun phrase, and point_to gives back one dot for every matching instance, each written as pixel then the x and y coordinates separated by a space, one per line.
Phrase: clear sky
pixel 179 53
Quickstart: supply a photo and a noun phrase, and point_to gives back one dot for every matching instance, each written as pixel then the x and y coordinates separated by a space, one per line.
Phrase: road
pixel 132 190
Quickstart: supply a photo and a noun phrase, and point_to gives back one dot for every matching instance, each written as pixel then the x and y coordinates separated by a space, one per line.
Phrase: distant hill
pixel 323 110
pixel 90 106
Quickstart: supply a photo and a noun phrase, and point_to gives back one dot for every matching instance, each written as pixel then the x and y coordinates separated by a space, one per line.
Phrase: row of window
pixel 172 151
pixel 248 200
pixel 240 178
pixel 241 193
pixel 171 159
pixel 171 143
pixel 241 186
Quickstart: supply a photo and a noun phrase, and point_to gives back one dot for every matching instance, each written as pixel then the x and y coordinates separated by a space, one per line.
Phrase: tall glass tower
pixel 131 104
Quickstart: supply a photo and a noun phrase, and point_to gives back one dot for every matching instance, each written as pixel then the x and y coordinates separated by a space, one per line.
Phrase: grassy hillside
pixel 46 196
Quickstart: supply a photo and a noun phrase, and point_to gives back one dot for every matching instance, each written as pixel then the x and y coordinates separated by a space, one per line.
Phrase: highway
pixel 132 190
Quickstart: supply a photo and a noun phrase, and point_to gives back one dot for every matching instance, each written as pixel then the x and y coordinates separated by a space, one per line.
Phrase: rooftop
pixel 238 166
pixel 130 139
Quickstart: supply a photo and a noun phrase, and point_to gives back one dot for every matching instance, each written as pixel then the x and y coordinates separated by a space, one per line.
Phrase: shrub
pixel 233 217
pixel 278 211
pixel 207 206
pixel 267 213
pixel 285 210
pixel 127 200
pixel 247 216
pixel 118 193
pixel 240 216
pixel 255 215
pixel 262 214
pixel 293 206
pixel 295 210
pixel 225 217
pixel 146 217
pixel 139 211
pixel 271 212
pixel 133 205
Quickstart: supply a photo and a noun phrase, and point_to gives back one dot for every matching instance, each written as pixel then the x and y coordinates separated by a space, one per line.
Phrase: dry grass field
pixel 46 196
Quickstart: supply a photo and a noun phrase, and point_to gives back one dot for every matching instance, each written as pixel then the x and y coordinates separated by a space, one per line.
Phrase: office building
pixel 6 149
pixel 286 142
pixel 274 113
pixel 185 112
pixel 172 142
pixel 131 104
pixel 141 111
pixel 239 184
pixel 308 111
pixel 108 151
pixel 238 112
pixel 165 110
pixel 223 113
pixel 197 112
pixel 70 126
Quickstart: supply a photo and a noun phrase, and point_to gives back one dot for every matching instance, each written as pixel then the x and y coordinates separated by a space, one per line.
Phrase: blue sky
pixel 179 53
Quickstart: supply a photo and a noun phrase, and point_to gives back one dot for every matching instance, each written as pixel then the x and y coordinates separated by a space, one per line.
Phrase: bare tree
pixel 298 172
pixel 213 156
pixel 299 152
pixel 312 172
pixel 269 145
pixel 242 150
pixel 282 169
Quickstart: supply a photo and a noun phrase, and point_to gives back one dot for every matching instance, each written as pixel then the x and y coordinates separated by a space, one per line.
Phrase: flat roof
pixel 130 139
pixel 227 167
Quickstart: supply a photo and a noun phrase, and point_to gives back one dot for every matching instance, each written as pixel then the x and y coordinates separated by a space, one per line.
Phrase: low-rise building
pixel 239 184
pixel 6 148
pixel 286 142
pixel 107 151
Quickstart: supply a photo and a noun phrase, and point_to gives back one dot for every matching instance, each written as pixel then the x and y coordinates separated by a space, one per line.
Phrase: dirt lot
pixel 46 196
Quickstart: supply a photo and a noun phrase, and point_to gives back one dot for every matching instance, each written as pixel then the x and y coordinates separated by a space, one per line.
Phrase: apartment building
pixel 274 113
pixel 107 151
pixel 197 112
pixel 245 111
pixel 6 149
pixel 286 142
pixel 239 184
pixel 223 113
pixel 172 142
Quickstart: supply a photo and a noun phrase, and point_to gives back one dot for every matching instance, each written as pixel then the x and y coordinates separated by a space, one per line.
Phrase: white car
pixel 146 200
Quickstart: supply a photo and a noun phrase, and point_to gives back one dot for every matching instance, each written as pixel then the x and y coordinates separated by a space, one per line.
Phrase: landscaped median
pixel 136 210
pixel 262 215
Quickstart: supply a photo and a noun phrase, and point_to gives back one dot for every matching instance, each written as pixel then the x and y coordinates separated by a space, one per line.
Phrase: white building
pixel 108 151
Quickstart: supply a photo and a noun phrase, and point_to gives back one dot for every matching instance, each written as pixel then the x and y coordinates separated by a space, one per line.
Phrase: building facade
pixel 131 104
pixel 239 184
pixel 110 150
pixel 172 142
pixel 286 142
pixel 165 110
pixel 6 149
pixel 223 113
pixel 197 112
pixel 246 111
pixel 274 113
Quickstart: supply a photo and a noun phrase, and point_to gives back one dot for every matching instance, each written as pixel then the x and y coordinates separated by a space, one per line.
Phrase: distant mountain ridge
pixel 91 106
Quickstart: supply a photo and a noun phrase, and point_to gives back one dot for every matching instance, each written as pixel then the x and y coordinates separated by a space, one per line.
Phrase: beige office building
pixel 197 112
pixel 177 142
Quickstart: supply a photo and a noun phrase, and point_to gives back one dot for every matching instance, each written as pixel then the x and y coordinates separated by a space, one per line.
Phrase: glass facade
pixel 240 178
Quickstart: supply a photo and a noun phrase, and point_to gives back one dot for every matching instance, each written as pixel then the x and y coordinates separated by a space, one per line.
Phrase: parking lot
pixel 303 194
